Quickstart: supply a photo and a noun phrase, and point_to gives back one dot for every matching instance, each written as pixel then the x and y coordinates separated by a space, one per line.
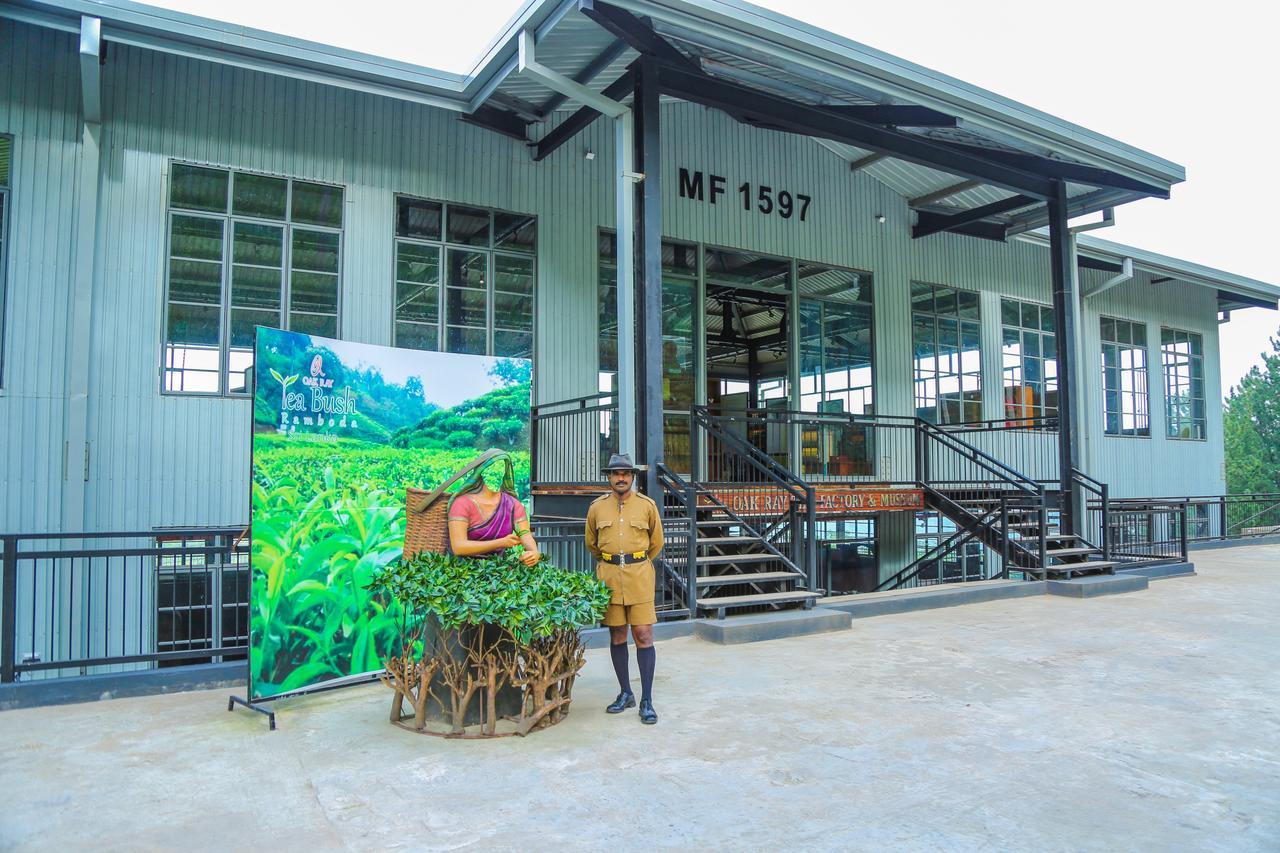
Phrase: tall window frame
pixel 243 249
pixel 1126 404
pixel 1028 361
pixel 465 278
pixel 946 341
pixel 1182 364
pixel 6 160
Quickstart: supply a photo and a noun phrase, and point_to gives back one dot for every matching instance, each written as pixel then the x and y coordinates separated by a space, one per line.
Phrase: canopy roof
pixel 967 160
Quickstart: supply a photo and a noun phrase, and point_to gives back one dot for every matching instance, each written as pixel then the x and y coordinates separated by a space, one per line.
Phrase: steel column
pixel 648 249
pixel 1064 321
pixel 8 609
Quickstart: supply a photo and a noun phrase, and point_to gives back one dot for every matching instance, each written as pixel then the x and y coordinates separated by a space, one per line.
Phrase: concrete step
pixel 748 577
pixel 1085 567
pixel 729 559
pixel 755 627
pixel 1096 585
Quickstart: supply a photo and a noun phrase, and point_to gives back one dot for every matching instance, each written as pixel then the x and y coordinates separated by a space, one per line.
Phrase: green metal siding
pixel 162 460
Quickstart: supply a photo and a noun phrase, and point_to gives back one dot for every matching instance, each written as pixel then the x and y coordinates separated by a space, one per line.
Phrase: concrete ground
pixel 1144 721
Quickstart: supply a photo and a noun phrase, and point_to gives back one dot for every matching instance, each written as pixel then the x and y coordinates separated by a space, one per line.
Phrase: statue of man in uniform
pixel 624 534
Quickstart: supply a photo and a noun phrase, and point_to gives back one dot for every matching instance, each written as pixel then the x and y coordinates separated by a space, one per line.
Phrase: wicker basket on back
pixel 427 513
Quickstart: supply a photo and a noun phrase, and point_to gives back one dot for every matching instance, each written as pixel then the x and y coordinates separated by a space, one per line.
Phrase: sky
pixel 1190 82
pixel 447 378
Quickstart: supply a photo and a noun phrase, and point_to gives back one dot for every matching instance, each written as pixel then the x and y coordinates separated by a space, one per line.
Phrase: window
pixel 6 151
pixel 1182 356
pixel 245 250
pixel 1124 378
pixel 1029 361
pixel 464 278
pixel 948 362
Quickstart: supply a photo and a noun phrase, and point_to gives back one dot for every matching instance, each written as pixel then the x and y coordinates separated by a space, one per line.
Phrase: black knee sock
pixel 618 651
pixel 645 659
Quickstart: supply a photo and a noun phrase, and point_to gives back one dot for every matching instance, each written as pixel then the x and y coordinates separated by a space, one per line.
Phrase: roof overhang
pixel 960 154
pixel 1232 291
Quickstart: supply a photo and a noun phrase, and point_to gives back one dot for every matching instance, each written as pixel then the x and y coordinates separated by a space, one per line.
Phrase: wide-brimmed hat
pixel 621 462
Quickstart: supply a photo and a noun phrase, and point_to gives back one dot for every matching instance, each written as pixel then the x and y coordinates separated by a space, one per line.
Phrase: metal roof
pixel 1234 291
pixel 726 40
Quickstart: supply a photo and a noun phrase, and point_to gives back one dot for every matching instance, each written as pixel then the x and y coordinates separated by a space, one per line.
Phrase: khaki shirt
pixel 634 526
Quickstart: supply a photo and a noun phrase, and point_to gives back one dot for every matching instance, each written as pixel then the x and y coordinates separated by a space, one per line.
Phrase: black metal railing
pixel 747 483
pixel 93 602
pixel 1096 527
pixel 1149 532
pixel 1028 445
pixel 572 439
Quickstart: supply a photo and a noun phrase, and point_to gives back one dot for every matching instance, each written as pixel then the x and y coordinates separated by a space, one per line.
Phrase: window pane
pixel 466 269
pixel 1009 312
pixel 311 291
pixel 468 226
pixel 512 312
pixel 195 281
pixel 261 245
pixel 191 368
pixel 196 237
pixel 513 344
pixel 418 302
pixel 417 336
pixel 243 323
pixel 6 152
pixel 419 264
pixel 317 204
pixel 196 188
pixel 314 324
pixel 466 340
pixel 314 250
pixel 256 287
pixel 465 307
pixel 967 304
pixel 259 195
pixel 419 219
pixel 194 324
pixel 514 275
pixel 515 232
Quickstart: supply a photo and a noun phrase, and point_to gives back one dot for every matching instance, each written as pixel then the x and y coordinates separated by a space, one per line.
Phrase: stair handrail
pixel 794 485
pixel 977 521
pixel 1004 472
pixel 675 485
pixel 913 569
pixel 1099 488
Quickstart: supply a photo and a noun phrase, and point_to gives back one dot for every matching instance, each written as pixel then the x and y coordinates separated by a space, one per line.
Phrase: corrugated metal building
pixel 115 117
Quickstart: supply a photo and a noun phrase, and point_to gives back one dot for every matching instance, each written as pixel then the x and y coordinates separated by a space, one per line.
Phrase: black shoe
pixel 648 716
pixel 623 702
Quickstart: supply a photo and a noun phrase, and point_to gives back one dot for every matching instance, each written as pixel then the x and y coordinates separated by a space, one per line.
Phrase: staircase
pixel 734 561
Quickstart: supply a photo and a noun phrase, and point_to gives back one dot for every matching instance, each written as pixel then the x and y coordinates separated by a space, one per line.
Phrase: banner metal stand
pixel 334 684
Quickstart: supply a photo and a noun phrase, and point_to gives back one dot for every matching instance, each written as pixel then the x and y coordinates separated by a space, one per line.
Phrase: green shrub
pixel 531 602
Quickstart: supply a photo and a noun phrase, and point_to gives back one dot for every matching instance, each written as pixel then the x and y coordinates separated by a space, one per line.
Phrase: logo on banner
pixel 320 405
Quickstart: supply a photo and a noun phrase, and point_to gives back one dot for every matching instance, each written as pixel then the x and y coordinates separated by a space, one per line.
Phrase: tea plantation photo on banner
pixel 340 430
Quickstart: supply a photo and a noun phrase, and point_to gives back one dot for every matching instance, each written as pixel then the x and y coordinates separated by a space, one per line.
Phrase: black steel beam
pixel 897 115
pixel 582 119
pixel 1236 300
pixel 588 73
pixel 1088 263
pixel 648 278
pixel 1064 327
pixel 1075 173
pixel 807 120
pixel 499 121
pixel 635 32
pixel 949 222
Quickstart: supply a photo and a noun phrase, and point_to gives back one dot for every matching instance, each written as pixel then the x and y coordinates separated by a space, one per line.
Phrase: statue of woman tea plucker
pixel 485 516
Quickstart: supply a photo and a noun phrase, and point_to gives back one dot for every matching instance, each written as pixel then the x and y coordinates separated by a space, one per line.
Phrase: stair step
pixel 749 577
pixel 728 559
pixel 728 601
pixel 1070 552
pixel 1086 566
pixel 716 522
pixel 727 540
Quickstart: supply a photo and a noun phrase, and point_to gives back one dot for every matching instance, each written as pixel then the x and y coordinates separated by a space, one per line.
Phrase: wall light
pixel 880 218
pixel 590 155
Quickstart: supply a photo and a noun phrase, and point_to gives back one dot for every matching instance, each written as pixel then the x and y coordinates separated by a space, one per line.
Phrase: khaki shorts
pixel 630 614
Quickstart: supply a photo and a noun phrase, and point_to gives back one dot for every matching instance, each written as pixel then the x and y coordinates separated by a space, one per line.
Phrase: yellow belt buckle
pixel 608 558
pixel 638 555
